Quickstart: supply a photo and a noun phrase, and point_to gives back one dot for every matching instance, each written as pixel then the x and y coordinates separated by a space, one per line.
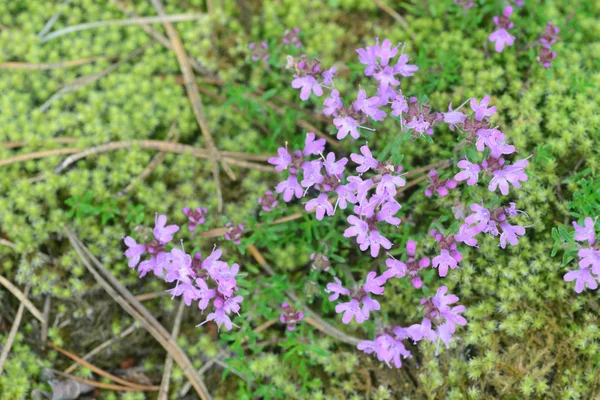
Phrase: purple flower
pixel 501 38
pixel 418 332
pixel 195 217
pixel 312 146
pixel 396 268
pixel 386 77
pixel 307 84
pixel 189 291
pixel 134 252
pixel 312 173
pixel 351 310
pixel 590 258
pixel 369 106
pixel 403 68
pixel 369 305
pixel 346 125
pixel 388 183
pixel 387 349
pixel 375 241
pixel 345 195
pixel 268 202
pixel 582 278
pixel 374 283
pixel 359 228
pixel 150 265
pixel 510 233
pixel 328 75
pixel 585 232
pixel 334 167
pixel 385 52
pixel 290 188
pixel 481 109
pixel 322 206
pixel 420 125
pixel 481 216
pixel 221 318
pixel 388 211
pixel 470 172
pixel 332 103
pixel 232 304
pixel 162 233
pixel 177 265
pixel 453 117
pixel 399 105
pixel 204 294
pixel 366 161
pixel 496 142
pixel 337 289
pixel 368 57
pixel 443 262
pixel 513 174
pixel 282 161
pixel 467 235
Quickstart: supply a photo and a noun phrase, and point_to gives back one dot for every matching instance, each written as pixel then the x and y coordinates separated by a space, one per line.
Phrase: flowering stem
pixel 312 319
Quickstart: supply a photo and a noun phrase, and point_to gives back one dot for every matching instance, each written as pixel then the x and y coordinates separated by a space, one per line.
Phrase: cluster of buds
pixel 290 316
pixel 550 36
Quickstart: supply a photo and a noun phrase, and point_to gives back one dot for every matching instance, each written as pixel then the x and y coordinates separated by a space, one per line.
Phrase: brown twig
pixel 13 333
pixel 37 155
pixel 134 308
pixel 191 89
pixel 61 140
pixel 390 11
pixel 121 22
pixel 150 296
pixel 46 316
pixel 150 145
pixel 163 393
pixel 99 385
pixel 158 36
pixel 155 162
pixel 107 375
pixel 103 346
pixel 22 298
pixel 264 325
pixel 52 20
pixel 48 66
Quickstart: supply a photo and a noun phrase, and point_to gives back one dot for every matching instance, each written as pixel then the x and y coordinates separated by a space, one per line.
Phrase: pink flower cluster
pixel 589 262
pixel 371 192
pixel 491 141
pixel 373 198
pixel 438 325
pixel 192 275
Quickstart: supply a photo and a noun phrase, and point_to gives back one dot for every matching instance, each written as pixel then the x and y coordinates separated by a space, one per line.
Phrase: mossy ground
pixel 529 335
